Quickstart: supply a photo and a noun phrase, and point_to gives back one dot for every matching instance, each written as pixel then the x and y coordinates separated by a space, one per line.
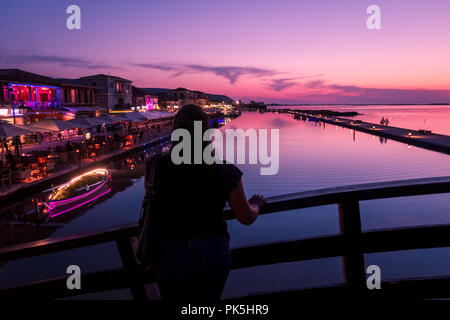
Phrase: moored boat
pixel 78 191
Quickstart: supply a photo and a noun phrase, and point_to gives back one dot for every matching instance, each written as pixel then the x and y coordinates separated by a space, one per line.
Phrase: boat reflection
pixel 77 192
pixel 25 221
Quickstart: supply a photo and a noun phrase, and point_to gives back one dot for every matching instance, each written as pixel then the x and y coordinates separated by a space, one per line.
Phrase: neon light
pixel 30 85
pixel 53 204
pixel 102 171
pixel 81 204
pixel 149 102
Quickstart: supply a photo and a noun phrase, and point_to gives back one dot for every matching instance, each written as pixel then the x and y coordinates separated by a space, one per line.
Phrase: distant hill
pixel 219 98
pixel 211 97
pixel 156 90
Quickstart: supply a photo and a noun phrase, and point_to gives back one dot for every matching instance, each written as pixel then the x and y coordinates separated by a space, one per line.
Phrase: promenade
pixel 421 138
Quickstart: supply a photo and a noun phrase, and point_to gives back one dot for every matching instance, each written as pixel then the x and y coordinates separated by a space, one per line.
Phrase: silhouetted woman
pixel 195 259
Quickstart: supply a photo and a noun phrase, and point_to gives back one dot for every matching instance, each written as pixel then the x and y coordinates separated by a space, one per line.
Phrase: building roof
pixel 163 93
pixel 104 76
pixel 139 91
pixel 74 83
pixel 17 75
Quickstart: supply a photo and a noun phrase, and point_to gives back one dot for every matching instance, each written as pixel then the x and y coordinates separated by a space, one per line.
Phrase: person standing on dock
pixel 382 121
pixel 192 259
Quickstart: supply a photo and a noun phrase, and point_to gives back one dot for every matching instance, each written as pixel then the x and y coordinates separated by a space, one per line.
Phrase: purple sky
pixel 277 51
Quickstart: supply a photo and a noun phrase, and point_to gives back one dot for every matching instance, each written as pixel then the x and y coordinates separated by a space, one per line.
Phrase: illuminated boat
pixel 78 191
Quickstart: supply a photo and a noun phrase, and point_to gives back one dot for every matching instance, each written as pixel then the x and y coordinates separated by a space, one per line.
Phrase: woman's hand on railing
pixel 258 200
pixel 245 211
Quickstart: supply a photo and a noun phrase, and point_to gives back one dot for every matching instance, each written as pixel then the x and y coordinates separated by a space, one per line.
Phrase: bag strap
pixel 150 190
pixel 152 174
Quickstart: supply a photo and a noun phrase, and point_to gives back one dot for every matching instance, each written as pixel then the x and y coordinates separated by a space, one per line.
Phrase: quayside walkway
pixel 419 138
pixel 351 243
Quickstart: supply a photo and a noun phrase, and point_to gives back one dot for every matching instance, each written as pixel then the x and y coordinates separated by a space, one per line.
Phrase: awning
pixel 54 125
pixel 108 119
pixel 135 117
pixel 11 130
pixel 83 122
pixel 151 115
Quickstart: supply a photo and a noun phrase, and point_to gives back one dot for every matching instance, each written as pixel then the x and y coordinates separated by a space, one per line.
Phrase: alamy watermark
pixel 374 279
pixel 73 21
pixel 74 280
pixel 234 140
pixel 374 20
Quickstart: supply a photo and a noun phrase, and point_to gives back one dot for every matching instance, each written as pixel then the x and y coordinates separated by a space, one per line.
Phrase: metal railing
pixel 351 244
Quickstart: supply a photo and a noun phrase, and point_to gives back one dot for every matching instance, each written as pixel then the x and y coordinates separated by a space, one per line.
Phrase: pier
pixel 419 138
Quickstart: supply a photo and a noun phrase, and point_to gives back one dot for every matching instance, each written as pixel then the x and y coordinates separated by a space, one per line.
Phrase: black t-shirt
pixel 193 197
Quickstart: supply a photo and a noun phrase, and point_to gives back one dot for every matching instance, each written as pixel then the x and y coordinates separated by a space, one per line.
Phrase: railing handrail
pixel 357 192
pixel 351 243
pixel 368 191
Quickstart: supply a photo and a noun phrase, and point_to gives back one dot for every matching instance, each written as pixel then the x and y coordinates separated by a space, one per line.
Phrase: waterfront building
pixel 111 92
pixel 78 99
pixel 190 97
pixel 169 103
pixel 217 100
pixel 142 100
pixel 173 98
pixel 26 96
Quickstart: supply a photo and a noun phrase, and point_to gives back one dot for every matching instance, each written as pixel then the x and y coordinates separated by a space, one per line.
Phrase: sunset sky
pixel 276 51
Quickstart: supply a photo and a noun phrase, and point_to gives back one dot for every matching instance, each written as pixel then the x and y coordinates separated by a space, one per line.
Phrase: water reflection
pixel 313 155
pixel 22 222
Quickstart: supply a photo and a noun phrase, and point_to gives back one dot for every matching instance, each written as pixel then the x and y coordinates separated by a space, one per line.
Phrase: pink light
pixel 81 204
pixel 102 171
pixel 149 102
pixel 54 203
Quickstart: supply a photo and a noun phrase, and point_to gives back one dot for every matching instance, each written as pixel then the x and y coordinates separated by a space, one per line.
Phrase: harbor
pixel 224 159
pixel 422 138
pixel 356 163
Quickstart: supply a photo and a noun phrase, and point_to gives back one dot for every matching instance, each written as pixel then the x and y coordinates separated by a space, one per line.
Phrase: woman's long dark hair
pixel 185 119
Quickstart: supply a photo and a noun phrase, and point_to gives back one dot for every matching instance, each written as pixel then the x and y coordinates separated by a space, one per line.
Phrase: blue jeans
pixel 193 270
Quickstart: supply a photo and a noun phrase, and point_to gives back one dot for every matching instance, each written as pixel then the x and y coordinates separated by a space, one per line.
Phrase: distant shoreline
pixel 357 104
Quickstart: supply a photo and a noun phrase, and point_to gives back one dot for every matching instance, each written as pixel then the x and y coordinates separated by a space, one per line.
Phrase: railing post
pixel 350 227
pixel 131 268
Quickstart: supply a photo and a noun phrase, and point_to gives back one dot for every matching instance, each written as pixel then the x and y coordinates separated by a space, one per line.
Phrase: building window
pixel 72 95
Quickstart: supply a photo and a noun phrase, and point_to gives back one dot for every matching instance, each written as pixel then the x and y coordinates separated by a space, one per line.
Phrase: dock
pixel 419 138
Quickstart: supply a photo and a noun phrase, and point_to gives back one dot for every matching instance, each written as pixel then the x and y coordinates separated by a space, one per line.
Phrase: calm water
pixel 312 156
pixel 434 118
